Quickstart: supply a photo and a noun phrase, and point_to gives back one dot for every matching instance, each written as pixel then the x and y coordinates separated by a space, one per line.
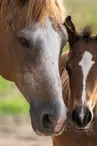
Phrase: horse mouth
pixel 80 128
pixel 48 125
pixel 52 134
pixel 43 132
pixel 62 130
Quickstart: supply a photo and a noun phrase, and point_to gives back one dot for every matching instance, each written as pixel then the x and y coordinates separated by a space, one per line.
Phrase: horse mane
pixel 38 10
pixel 86 32
pixel 3 9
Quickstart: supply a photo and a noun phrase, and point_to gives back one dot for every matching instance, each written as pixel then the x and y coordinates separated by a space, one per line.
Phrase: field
pixel 83 12
pixel 11 100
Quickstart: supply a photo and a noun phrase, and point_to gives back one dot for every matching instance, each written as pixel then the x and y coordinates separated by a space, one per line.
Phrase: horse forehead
pixel 47 31
pixel 86 61
pixel 86 64
pixel 47 35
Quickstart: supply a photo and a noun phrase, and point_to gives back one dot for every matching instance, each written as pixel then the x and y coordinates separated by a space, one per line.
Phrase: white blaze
pixel 82 114
pixel 86 64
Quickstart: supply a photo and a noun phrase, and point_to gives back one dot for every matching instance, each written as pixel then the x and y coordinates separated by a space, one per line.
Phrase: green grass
pixel 15 105
pixel 83 12
pixel 11 100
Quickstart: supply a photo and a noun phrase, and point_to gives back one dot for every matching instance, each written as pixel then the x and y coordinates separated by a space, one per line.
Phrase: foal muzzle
pixel 81 116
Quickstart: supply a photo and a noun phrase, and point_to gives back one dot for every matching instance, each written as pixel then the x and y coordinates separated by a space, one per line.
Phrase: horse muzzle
pixel 48 121
pixel 81 117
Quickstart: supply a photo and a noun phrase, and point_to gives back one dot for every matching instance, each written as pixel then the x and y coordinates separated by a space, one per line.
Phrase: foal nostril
pixel 88 117
pixel 76 118
pixel 47 121
pixel 81 121
pixel 75 115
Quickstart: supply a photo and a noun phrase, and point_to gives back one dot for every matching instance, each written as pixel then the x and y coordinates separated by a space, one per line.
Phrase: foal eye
pixel 69 70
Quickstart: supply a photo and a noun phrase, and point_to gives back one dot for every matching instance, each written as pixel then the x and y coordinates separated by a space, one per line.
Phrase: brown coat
pixel 71 137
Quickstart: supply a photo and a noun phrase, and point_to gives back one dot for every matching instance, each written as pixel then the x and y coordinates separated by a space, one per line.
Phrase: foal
pixel 79 88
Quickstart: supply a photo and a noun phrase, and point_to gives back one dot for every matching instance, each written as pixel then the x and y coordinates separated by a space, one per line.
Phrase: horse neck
pixel 65 87
pixel 5 65
pixel 64 79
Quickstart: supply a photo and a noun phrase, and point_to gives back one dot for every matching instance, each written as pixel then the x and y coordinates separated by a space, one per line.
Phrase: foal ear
pixel 70 29
pixel 96 37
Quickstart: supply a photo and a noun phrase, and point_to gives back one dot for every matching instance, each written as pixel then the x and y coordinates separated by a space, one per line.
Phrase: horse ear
pixel 96 37
pixel 70 29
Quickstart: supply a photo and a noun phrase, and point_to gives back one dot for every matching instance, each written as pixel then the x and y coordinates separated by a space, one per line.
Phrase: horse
pixel 31 41
pixel 78 70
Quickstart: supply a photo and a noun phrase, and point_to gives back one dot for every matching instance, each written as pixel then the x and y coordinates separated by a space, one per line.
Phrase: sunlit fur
pixel 37 10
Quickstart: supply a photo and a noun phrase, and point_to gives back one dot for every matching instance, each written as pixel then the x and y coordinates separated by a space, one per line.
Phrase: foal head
pixel 82 70
pixel 31 40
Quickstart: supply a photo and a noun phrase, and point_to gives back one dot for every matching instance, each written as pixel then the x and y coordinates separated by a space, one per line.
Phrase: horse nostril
pixel 88 117
pixel 76 118
pixel 74 115
pixel 47 121
pixel 81 121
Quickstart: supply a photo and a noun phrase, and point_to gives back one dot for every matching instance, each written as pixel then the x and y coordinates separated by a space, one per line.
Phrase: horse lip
pixel 48 134
pixel 39 134
pixel 58 128
pixel 60 123
pixel 34 126
pixel 80 128
pixel 57 133
pixel 61 131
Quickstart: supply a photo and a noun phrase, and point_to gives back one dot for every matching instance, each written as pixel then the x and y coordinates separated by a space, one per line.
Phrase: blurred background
pixel 15 127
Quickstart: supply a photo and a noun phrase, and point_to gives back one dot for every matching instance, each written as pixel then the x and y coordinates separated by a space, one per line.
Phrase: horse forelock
pixel 37 10
pixel 3 9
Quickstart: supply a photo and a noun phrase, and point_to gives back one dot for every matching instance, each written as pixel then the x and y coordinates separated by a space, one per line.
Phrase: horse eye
pixel 24 42
pixel 69 70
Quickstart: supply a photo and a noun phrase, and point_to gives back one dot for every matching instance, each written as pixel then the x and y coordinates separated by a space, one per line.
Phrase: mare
pixel 79 80
pixel 31 40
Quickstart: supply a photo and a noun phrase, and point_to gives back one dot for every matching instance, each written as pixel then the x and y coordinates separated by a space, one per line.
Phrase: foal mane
pixel 38 10
pixel 86 32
